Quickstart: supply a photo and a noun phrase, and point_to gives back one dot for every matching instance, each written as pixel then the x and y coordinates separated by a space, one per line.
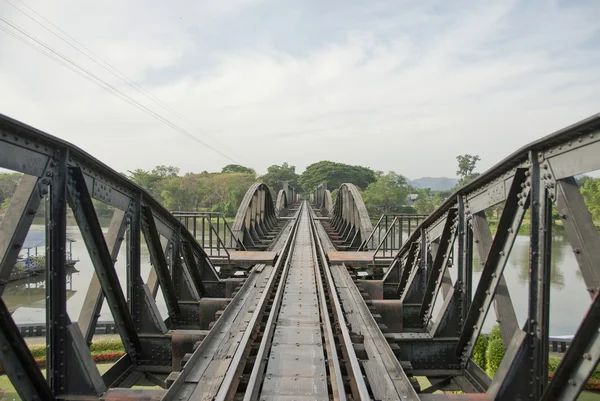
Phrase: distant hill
pixel 435 183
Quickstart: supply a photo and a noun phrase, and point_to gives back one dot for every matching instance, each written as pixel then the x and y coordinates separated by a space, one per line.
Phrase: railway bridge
pixel 302 298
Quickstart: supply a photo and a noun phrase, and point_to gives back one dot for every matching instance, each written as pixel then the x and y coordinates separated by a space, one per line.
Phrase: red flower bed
pixel 591 385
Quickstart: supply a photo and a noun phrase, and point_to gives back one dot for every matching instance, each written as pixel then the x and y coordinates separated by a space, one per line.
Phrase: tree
pixel 335 174
pixel 428 200
pixel 276 175
pixel 8 185
pixel 236 168
pixel 466 166
pixel 387 194
pixel 151 180
pixel 591 196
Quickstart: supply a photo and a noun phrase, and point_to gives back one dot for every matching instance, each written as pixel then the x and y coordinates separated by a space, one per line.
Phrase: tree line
pixel 223 191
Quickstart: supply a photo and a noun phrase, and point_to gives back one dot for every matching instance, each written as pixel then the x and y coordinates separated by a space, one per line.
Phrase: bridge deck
pixel 296 369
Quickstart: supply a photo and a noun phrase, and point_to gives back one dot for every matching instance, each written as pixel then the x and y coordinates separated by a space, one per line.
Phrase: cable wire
pixel 101 83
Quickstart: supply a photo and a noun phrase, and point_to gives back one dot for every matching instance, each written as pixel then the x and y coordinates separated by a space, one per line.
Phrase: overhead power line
pixel 73 66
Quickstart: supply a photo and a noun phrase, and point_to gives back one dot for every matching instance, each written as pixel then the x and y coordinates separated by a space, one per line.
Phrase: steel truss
pixel 63 176
pixel 440 346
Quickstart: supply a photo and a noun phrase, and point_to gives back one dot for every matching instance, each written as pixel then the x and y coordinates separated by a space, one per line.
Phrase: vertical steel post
pixel 56 277
pixel 539 280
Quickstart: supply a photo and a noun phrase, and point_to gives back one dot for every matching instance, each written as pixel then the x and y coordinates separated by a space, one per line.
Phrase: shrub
pixel 480 350
pixel 495 334
pixel 494 355
pixel 107 345
pixel 38 350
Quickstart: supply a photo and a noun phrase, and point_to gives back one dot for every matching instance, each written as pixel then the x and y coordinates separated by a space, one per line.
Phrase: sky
pixel 401 86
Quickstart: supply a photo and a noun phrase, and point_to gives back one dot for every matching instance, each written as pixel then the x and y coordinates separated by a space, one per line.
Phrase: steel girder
pixel 531 179
pixel 349 216
pixel 256 219
pixel 322 198
pixel 62 175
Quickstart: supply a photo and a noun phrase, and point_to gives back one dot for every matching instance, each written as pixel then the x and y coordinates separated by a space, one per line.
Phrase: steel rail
pixel 227 389
pixel 359 387
pixel 335 373
pixel 173 392
pixel 256 376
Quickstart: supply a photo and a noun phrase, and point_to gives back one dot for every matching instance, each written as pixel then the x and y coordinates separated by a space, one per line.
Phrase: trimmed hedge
pixel 494 355
pixel 492 349
pixel 479 351
pixel 495 334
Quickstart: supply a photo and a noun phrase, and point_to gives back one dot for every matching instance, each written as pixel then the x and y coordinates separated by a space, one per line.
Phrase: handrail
pixel 225 240
pixel 383 225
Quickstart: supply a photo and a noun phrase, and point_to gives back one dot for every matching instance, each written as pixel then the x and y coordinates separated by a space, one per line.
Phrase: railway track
pixel 291 334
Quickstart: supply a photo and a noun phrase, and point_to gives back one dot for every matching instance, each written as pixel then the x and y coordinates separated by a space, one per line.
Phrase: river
pixel 569 297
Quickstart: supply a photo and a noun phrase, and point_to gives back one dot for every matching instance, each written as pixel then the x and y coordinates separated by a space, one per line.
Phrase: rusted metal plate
pixel 362 259
pixel 252 257
pixel 296 360
pixel 124 394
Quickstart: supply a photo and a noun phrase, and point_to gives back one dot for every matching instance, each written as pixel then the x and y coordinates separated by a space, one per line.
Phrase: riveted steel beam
pixel 508 228
pixel 94 298
pixel 85 215
pixel 581 232
pixel 503 306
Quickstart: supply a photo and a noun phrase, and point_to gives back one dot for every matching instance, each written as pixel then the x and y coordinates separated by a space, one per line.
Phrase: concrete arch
pixel 350 217
pixel 256 217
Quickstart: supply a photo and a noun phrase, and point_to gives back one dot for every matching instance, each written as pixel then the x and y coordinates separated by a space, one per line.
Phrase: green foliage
pixel 466 167
pixel 222 192
pixel 236 168
pixel 554 361
pixel 335 174
pixel 276 175
pixel 591 195
pixel 494 355
pixel 38 350
pixel 480 350
pixel 8 185
pixel 428 200
pixel 107 346
pixel 387 194
pixel 102 347
pixel 495 334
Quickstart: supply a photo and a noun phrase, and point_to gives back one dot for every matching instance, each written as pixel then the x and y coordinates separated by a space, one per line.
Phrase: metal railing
pixel 212 232
pixel 389 234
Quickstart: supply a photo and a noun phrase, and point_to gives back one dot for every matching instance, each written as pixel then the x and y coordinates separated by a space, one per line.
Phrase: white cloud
pixel 406 89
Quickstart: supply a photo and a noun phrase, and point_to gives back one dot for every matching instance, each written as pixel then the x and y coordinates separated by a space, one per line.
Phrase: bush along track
pixel 489 351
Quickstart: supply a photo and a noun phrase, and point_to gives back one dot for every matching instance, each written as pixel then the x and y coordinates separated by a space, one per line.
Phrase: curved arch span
pixel 350 218
pixel 256 217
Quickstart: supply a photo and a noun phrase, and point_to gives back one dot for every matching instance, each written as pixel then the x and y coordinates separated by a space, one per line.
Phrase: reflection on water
pixel 569 297
pixel 31 293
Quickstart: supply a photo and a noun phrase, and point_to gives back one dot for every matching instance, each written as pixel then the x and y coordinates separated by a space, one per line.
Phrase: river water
pixel 569 298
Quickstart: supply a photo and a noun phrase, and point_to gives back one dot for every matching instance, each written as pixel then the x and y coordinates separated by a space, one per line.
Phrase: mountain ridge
pixel 434 183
